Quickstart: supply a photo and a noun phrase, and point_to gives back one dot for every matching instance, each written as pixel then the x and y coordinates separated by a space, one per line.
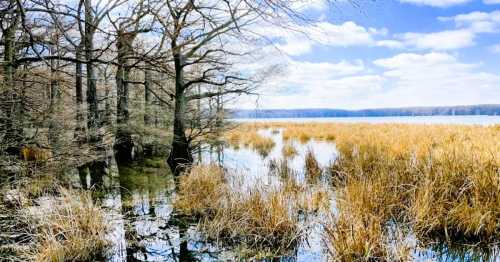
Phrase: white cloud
pixel 406 79
pixel 444 40
pixel 478 22
pixel 435 79
pixel 436 3
pixel 346 34
pixel 491 2
pixel 390 44
pixel 303 38
pixel 495 49
pixel 309 84
pixel 317 5
pixel 469 26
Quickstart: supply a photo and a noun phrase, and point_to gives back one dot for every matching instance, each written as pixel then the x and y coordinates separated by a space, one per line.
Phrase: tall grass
pixel 47 222
pixel 442 182
pixel 289 151
pixel 69 228
pixel 264 218
pixel 312 169
pixel 250 138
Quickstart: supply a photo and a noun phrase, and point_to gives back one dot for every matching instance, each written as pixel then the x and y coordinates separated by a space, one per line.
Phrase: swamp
pixel 208 130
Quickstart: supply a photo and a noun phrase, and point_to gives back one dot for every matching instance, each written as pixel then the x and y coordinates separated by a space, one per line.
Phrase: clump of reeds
pixel 262 218
pixel 69 228
pixel 263 145
pixel 281 168
pixel 249 137
pixel 358 232
pixel 312 170
pixel 288 150
pixel 261 221
pixel 200 192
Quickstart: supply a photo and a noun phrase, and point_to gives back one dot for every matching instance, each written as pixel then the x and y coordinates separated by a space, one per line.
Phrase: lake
pixel 464 120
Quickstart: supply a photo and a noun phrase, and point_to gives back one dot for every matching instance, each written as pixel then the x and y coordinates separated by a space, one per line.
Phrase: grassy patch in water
pixel 441 182
pixel 250 138
pixel 263 219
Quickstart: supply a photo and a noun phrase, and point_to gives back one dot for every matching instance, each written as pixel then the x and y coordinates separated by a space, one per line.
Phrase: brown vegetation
pixel 46 222
pixel 437 182
pixel 250 138
pixel 312 169
pixel 288 150
pixel 69 228
pixel 264 218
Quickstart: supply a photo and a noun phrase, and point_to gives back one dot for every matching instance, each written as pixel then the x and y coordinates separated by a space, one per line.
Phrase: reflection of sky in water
pixel 252 167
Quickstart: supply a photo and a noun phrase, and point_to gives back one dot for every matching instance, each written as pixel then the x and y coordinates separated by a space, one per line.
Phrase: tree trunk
pixel 124 144
pixel 147 97
pixel 180 156
pixel 11 101
pixel 80 125
pixel 92 102
pixel 55 95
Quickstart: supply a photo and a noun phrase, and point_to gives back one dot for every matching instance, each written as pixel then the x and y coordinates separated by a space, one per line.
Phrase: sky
pixel 385 53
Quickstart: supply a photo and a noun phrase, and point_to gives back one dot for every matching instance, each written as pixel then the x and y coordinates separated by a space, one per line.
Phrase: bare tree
pixel 200 33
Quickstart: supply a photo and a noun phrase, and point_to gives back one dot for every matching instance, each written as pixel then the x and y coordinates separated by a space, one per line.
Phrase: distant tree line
pixel 404 111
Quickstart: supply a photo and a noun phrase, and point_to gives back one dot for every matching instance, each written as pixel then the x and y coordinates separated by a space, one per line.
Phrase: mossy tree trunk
pixel 10 99
pixel 180 155
pixel 124 144
pixel 92 100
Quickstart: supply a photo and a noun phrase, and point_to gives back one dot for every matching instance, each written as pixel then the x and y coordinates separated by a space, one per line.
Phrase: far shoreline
pixel 431 119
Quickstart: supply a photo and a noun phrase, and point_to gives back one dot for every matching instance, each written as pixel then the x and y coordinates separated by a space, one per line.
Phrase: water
pixel 138 204
pixel 464 120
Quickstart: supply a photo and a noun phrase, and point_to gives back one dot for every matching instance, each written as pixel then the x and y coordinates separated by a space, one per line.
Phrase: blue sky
pixel 387 54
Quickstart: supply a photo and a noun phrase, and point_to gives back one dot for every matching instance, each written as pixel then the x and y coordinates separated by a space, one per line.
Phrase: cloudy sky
pixel 387 53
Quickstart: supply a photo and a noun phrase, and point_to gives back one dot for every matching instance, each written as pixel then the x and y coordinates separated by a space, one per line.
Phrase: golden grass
pixel 264 219
pixel 312 169
pixel 69 228
pixel 200 191
pixel 441 181
pixel 288 150
pixel 250 138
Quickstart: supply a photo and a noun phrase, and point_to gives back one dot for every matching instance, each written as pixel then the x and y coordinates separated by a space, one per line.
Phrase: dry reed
pixel 441 181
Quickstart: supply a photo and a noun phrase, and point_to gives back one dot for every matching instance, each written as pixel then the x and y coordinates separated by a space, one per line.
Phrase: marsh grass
pixel 69 228
pixel 312 169
pixel 200 192
pixel 263 218
pixel 441 183
pixel 289 150
pixel 250 138
pixel 45 221
pixel 281 168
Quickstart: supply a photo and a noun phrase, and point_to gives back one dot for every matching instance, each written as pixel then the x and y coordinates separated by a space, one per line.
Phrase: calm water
pixel 138 202
pixel 465 120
